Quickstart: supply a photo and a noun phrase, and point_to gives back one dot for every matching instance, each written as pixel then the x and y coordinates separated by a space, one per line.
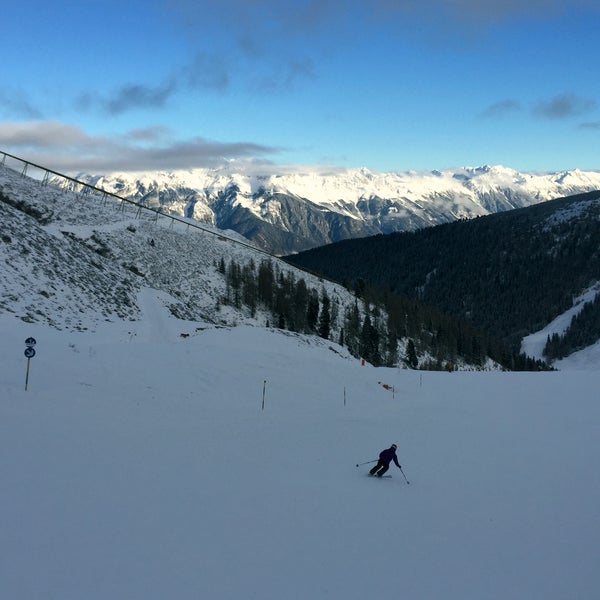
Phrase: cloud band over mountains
pixel 67 148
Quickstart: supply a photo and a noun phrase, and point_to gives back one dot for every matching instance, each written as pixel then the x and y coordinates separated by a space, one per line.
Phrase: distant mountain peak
pixel 327 205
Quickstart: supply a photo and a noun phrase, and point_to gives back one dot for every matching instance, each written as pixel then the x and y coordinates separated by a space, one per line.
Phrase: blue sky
pixel 390 85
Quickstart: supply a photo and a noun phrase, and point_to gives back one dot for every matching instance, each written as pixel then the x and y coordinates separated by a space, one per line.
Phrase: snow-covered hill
pixel 295 210
pixel 75 261
pixel 141 465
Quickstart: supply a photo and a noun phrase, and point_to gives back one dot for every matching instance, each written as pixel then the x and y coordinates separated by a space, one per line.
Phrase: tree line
pixel 293 305
pixel 383 328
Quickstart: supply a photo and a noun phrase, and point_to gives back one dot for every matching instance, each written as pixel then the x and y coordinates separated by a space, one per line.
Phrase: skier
pixel 385 458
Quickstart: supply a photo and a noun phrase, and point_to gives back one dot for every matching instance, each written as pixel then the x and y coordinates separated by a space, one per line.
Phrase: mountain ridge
pixel 287 212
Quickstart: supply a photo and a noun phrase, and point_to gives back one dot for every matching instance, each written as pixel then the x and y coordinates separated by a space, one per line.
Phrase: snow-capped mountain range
pixel 290 211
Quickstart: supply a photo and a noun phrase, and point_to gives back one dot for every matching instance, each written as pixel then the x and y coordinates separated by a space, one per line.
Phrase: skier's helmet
pixel 394 446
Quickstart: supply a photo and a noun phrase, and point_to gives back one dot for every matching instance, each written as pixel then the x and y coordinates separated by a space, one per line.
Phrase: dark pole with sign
pixel 29 353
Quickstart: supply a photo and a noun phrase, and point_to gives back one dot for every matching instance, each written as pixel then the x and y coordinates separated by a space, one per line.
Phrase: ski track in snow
pixel 533 344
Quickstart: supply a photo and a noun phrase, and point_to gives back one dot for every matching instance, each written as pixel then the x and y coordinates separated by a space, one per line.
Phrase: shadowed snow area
pixel 140 464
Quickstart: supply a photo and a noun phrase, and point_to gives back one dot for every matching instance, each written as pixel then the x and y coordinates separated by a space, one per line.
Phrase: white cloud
pixel 68 148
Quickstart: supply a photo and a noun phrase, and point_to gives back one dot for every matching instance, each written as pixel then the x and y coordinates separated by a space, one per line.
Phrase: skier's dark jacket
pixel 389 455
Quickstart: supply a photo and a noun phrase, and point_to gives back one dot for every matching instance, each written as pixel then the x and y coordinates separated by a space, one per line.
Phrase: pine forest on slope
pixel 508 274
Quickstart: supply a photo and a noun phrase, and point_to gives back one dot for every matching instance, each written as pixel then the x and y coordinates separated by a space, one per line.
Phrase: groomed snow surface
pixel 140 465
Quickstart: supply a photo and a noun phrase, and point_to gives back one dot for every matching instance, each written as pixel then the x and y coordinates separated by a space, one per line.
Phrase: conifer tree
pixel 352 329
pixel 312 311
pixel 325 317
pixel 369 341
pixel 300 305
pixel 411 355
pixel 266 283
pixel 391 350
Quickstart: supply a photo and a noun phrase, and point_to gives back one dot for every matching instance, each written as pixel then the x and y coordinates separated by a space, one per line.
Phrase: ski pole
pixel 366 463
pixel 407 481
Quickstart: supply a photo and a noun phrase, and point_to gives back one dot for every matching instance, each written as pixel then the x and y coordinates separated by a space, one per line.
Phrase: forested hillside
pixel 508 274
